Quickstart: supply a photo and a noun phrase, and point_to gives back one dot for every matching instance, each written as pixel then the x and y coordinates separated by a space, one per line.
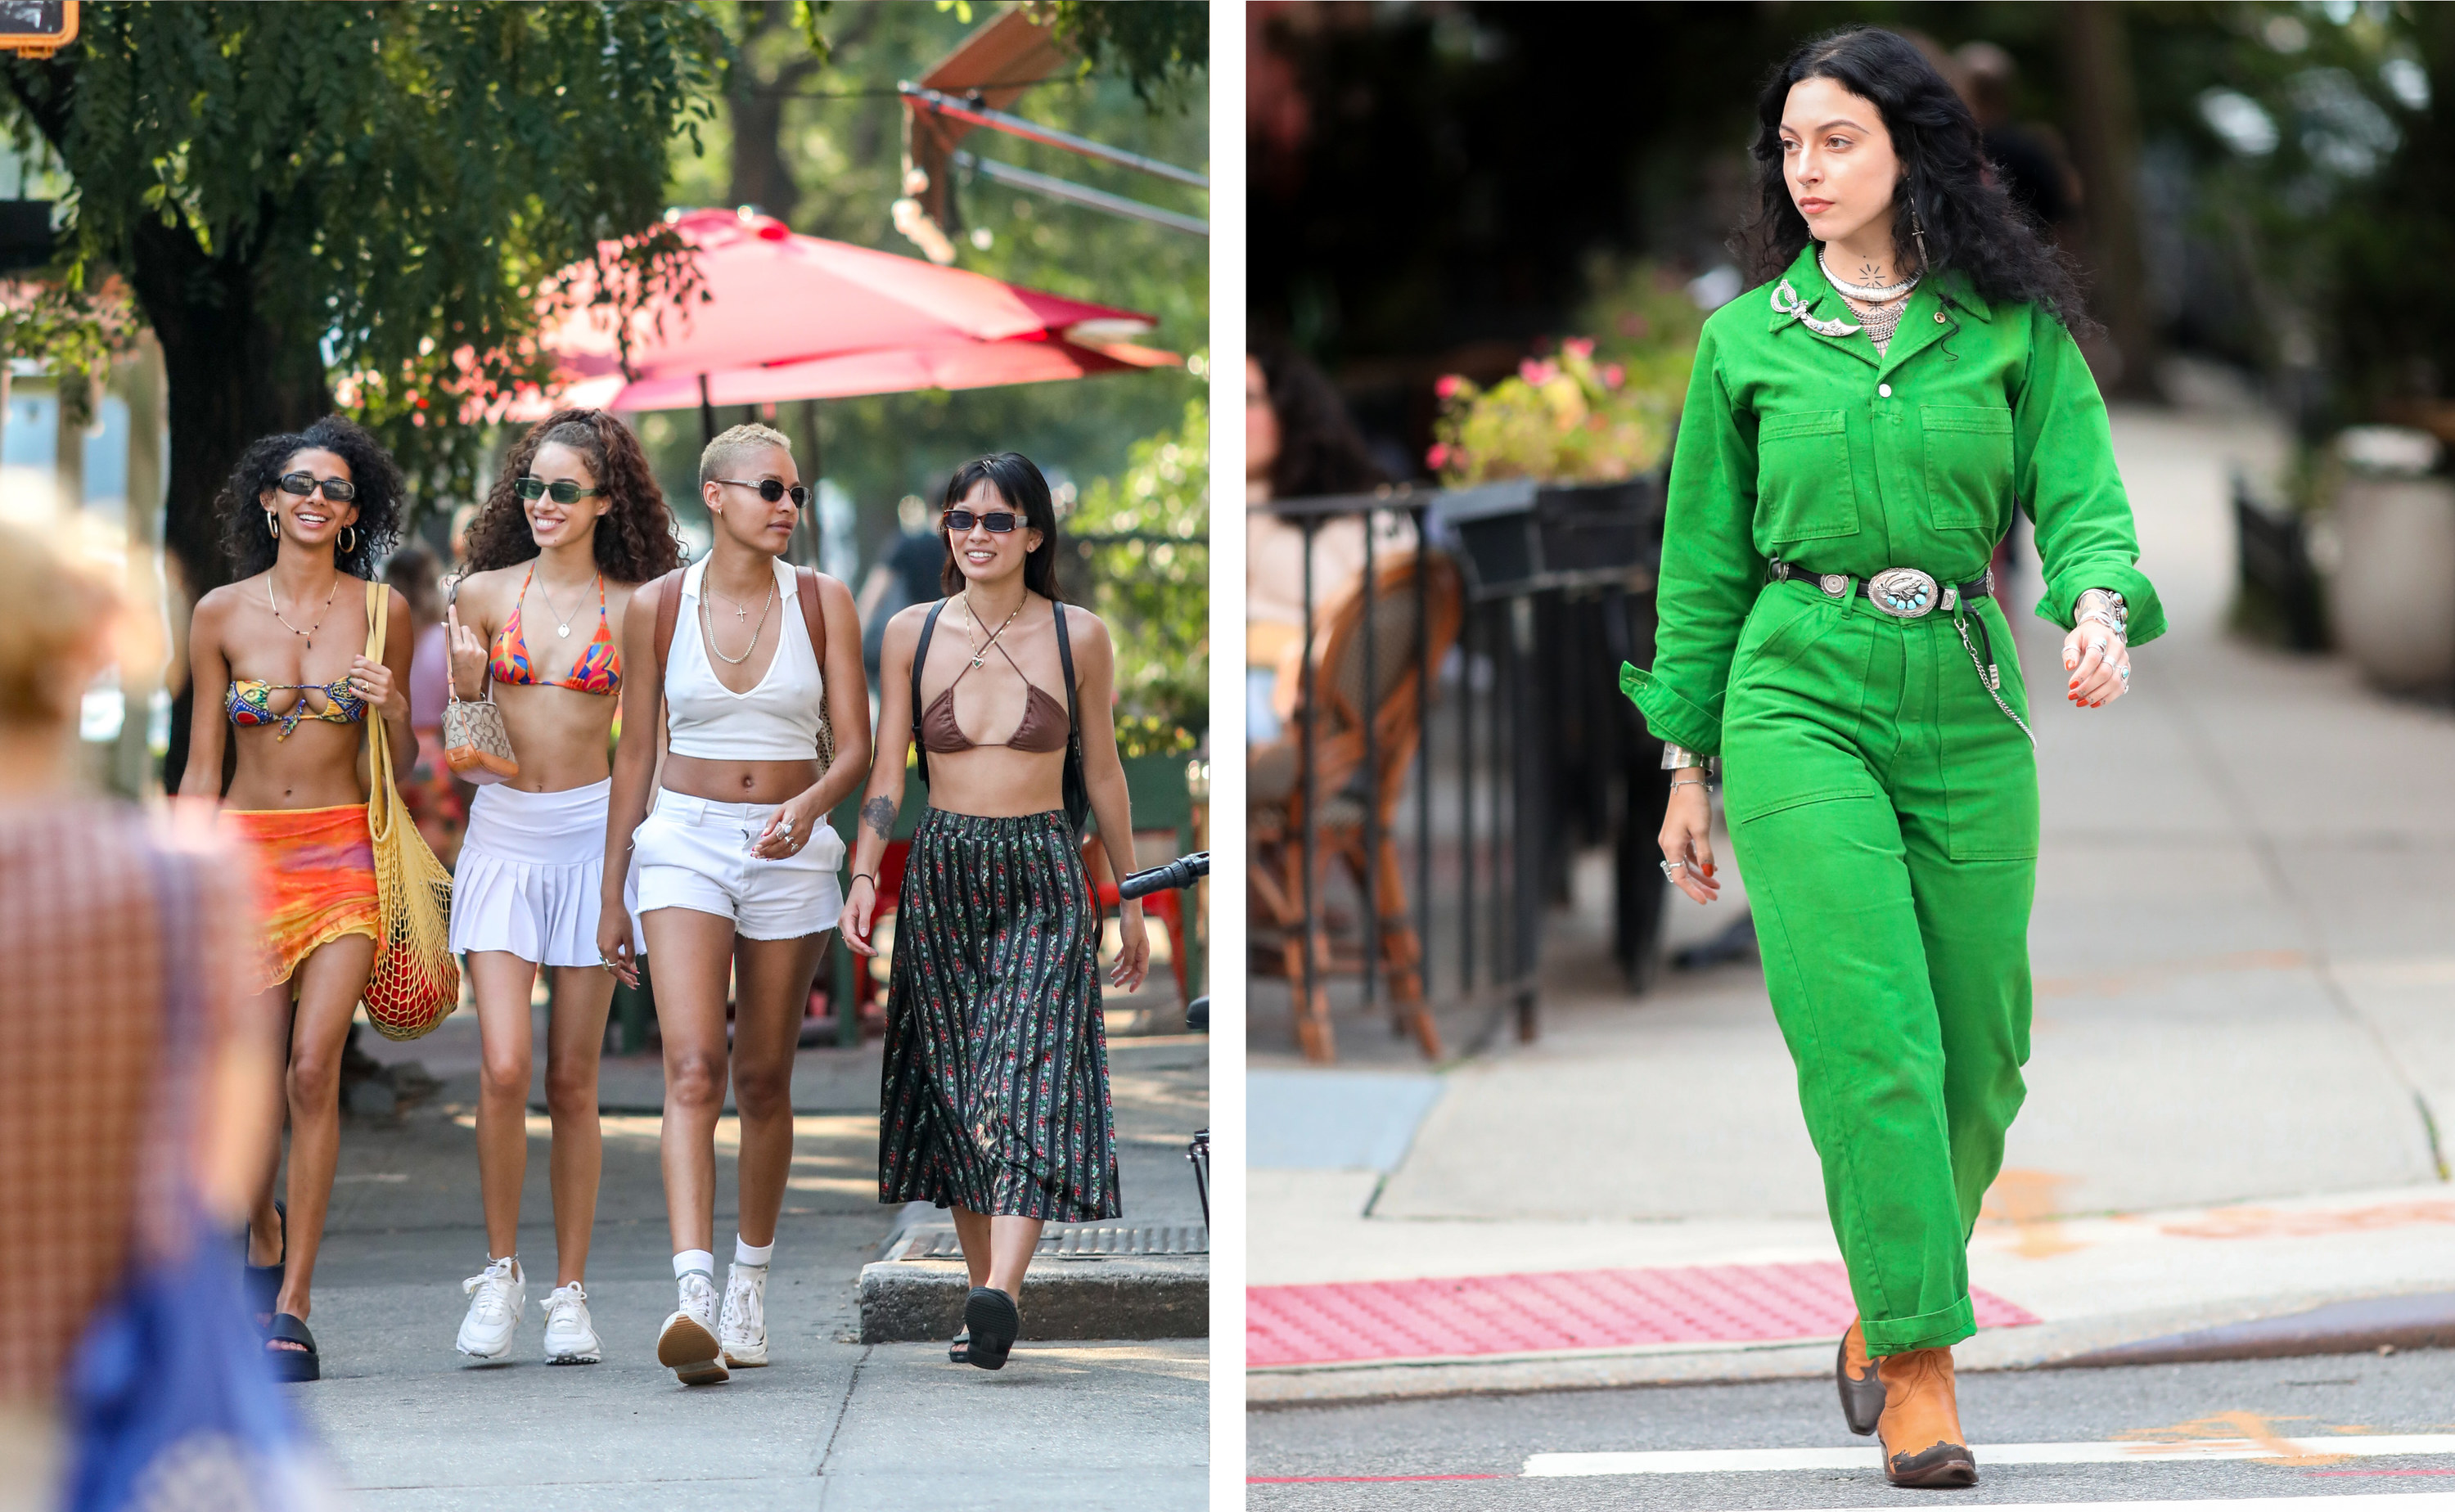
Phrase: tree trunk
pixel 233 378
pixel 2105 134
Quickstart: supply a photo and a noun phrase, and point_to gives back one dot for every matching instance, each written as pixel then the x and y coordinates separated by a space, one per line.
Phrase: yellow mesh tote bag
pixel 416 979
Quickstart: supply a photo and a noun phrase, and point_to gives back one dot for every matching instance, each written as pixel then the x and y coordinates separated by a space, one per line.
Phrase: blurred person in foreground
pixel 1859 432
pixel 139 1070
pixel 280 652
pixel 995 1100
pixel 907 574
pixel 1299 443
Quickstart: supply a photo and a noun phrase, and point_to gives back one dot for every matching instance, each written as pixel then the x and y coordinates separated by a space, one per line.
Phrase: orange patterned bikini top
pixel 599 669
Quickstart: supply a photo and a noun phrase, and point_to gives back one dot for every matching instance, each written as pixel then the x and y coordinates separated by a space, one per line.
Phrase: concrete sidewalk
pixel 833 1423
pixel 2244 946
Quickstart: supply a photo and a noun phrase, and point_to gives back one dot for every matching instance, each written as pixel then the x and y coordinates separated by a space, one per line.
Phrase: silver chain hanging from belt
pixel 1988 678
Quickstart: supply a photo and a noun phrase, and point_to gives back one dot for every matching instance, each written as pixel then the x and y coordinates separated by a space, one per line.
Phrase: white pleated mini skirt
pixel 529 876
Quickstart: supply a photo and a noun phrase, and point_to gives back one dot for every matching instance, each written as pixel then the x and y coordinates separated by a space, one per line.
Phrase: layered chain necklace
pixel 708 624
pixel 981 653
pixel 1878 306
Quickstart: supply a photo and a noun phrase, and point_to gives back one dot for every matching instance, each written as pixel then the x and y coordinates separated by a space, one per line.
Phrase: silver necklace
pixel 1866 293
pixel 563 621
pixel 707 627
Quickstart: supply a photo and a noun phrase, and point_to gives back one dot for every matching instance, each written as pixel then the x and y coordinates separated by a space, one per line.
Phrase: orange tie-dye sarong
pixel 316 876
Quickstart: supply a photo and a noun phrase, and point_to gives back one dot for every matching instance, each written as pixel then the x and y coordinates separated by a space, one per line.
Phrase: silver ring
pixel 786 824
pixel 1673 869
pixel 2123 673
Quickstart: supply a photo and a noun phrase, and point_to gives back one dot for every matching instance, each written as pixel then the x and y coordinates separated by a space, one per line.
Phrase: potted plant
pixel 2391 600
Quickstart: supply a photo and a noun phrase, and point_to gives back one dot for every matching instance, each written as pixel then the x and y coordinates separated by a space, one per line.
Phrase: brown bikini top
pixel 1044 727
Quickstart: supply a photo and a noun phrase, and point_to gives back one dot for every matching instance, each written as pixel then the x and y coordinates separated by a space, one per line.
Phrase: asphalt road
pixel 1468 1452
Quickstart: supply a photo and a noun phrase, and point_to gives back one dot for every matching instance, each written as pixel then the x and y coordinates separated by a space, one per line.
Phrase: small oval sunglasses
pixel 770 490
pixel 339 490
pixel 997 522
pixel 563 490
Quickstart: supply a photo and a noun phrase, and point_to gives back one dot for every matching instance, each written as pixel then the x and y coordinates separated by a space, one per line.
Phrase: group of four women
pixel 699 839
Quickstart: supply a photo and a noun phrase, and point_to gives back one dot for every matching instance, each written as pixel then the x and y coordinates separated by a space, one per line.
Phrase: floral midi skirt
pixel 995 1096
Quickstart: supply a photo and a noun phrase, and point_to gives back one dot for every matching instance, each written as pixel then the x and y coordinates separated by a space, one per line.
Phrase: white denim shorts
pixel 695 853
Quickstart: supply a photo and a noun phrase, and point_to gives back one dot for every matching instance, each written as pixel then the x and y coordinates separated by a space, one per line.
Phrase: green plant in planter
pixel 1599 410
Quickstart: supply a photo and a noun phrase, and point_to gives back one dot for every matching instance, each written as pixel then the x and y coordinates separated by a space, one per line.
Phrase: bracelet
pixel 1688 782
pixel 1675 756
pixel 864 876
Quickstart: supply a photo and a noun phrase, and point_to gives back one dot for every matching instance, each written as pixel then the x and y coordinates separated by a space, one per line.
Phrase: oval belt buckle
pixel 1902 592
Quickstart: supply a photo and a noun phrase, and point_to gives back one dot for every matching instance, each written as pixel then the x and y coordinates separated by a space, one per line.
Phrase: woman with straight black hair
pixel 1860 431
pixel 996 1089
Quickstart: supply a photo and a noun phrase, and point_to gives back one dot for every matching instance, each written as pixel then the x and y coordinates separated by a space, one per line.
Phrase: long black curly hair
pixel 635 540
pixel 1971 226
pixel 251 547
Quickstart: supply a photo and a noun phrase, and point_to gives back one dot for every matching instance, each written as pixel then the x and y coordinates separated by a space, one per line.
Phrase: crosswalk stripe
pixel 1725 1461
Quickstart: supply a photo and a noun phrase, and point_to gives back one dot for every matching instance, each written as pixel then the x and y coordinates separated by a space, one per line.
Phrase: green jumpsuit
pixel 1884 807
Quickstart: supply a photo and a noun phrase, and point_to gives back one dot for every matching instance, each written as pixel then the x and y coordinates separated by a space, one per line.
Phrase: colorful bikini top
pixel 1043 726
pixel 599 669
pixel 250 703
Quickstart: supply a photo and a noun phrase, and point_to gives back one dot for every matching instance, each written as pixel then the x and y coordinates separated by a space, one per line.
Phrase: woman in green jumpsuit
pixel 1858 431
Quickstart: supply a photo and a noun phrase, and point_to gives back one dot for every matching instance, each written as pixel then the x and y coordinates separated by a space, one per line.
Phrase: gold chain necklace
pixel 981 653
pixel 307 635
pixel 707 626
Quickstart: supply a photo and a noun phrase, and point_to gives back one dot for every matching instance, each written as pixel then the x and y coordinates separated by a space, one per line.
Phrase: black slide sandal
pixel 960 1349
pixel 992 1319
pixel 293 1364
pixel 262 1283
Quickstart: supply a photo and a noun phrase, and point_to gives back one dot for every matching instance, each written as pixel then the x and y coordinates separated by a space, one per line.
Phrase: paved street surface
pixel 830 1425
pixel 2243 1059
pixel 2297 1415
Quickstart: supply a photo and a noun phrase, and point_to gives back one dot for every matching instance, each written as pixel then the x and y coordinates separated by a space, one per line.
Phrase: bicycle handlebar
pixel 1183 872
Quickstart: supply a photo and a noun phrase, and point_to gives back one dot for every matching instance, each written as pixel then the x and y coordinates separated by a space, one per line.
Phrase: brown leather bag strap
pixel 814 619
pixel 669 609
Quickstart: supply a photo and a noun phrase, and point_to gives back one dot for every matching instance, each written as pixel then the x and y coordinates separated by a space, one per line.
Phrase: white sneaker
pixel 570 1339
pixel 686 1345
pixel 743 1328
pixel 497 1296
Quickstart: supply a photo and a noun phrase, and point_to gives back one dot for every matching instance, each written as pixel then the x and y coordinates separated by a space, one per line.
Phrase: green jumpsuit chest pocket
pixel 1804 490
pixel 1968 465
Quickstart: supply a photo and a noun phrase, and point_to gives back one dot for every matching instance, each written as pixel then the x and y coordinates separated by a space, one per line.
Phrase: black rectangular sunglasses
pixel 997 522
pixel 339 490
pixel 770 489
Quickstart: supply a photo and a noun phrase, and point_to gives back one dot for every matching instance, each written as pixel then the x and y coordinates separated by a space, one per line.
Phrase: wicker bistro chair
pixel 1286 903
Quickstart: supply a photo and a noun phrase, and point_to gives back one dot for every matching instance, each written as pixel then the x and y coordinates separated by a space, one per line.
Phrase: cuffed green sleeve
pixel 2063 469
pixel 1711 572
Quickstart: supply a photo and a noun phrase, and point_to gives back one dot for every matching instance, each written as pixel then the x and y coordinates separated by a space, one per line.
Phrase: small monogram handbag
pixel 474 743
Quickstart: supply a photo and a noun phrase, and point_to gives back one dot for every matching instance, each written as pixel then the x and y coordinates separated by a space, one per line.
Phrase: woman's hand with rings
pixel 789 830
pixel 1687 836
pixel 2098 662
pixel 613 941
pixel 372 681
pixel 860 901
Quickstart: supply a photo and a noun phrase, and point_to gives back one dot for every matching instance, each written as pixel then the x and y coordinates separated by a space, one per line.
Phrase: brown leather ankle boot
pixel 1862 1389
pixel 1920 1427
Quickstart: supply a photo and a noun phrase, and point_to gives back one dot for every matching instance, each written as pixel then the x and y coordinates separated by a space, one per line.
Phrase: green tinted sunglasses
pixel 563 490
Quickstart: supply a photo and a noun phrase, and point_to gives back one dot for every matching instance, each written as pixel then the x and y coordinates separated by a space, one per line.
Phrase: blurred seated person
pixel 1299 443
pixel 438 805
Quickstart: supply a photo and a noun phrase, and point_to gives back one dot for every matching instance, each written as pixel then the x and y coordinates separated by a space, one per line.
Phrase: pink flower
pixel 1438 457
pixel 1536 373
pixel 1579 347
pixel 1614 375
pixel 1447 385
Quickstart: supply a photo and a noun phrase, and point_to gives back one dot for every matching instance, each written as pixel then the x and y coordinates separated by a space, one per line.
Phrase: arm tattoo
pixel 880 816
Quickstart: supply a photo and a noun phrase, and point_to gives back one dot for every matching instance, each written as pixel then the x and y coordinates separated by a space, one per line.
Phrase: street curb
pixel 902 1301
pixel 2268 1328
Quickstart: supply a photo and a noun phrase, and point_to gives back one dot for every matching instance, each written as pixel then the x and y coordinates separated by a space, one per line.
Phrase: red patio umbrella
pixel 799 318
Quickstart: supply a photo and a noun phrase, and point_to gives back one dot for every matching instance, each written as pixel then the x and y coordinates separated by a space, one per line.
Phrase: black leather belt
pixel 1903 592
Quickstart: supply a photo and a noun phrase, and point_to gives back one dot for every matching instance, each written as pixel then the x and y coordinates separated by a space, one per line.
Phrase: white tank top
pixel 776 720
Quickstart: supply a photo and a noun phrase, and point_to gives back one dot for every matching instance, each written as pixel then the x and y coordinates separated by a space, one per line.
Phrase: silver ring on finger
pixel 1673 869
pixel 2123 671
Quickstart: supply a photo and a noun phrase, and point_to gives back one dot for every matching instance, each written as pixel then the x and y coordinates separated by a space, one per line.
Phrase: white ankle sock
pixel 745 1253
pixel 693 1259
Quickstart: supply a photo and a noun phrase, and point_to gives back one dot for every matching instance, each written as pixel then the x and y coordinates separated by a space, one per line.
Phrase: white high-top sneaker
pixel 497 1296
pixel 743 1329
pixel 686 1345
pixel 570 1337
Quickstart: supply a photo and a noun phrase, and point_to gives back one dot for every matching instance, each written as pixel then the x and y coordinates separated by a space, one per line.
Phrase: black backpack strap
pixel 920 659
pixel 1066 665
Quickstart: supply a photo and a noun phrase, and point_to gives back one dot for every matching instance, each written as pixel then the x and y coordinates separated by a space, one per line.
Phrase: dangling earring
pixel 272 524
pixel 352 531
pixel 1917 233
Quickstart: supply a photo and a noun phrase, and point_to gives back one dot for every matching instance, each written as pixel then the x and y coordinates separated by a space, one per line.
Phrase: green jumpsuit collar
pixel 1919 327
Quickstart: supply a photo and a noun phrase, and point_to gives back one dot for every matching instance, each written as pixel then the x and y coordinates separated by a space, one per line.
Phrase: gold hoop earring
pixel 272 524
pixel 352 531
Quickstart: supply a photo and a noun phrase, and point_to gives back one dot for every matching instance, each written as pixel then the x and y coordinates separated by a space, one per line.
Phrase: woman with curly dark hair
pixel 281 651
pixel 574 522
pixel 1858 433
